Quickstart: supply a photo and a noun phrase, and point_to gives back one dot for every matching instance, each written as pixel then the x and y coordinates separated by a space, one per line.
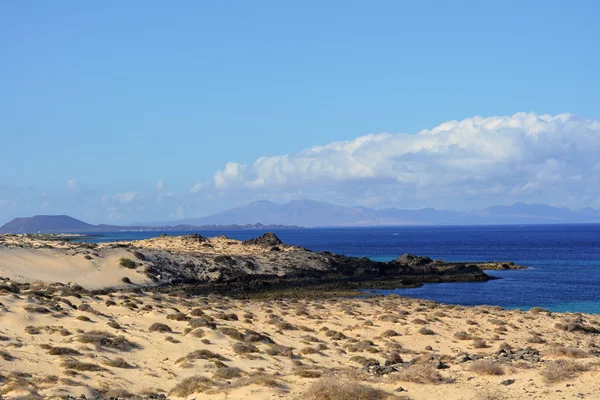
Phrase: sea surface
pixel 564 260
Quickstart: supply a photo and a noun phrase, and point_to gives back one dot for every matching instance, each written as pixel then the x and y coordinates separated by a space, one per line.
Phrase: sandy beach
pixel 59 338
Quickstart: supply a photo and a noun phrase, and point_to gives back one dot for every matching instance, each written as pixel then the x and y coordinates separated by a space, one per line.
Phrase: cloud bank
pixel 518 157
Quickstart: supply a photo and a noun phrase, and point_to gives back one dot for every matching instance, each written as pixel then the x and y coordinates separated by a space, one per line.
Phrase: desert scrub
pixel 191 385
pixel 420 373
pixel 36 309
pixel 227 373
pixel 278 350
pixel 127 263
pixel 564 351
pixel 63 351
pixel 118 363
pixel 201 355
pixel 462 335
pixel 179 316
pixel 6 356
pixel 389 333
pixel 159 327
pixel 562 370
pixel 426 331
pixel 308 373
pixel 244 348
pixel 486 367
pixel 336 389
pixel 102 339
pixel 81 366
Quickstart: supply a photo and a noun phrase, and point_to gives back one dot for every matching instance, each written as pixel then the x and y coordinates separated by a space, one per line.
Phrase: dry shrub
pixel 480 344
pixel 117 394
pixel 308 373
pixel 84 318
pixel 278 350
pixel 486 367
pixel 179 316
pixel 63 351
pixel 244 348
pixel 191 385
pixel 197 312
pixel 158 327
pixel 106 339
pixel 118 363
pixel 6 356
pixel 426 331
pixel 36 309
pixel 535 339
pixel 81 366
pixel 336 389
pixel 389 333
pixel 489 394
pixel 227 373
pixel 309 350
pixel 562 370
pixel 421 373
pixel 462 335
pixel 201 355
pixel 571 352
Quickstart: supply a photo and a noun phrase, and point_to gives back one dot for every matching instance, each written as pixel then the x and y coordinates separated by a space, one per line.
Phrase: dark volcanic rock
pixel 268 239
pixel 412 260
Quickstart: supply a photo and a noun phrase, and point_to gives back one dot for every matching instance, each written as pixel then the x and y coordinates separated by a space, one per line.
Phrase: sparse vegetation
pixel 421 373
pixel 336 389
pixel 486 367
pixel 191 385
pixel 128 263
pixel 159 327
pixel 102 339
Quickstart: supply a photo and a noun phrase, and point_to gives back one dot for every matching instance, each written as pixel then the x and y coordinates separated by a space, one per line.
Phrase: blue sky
pixel 140 106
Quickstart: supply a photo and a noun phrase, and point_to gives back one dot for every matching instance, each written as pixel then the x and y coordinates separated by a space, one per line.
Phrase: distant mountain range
pixel 313 213
pixel 309 213
pixel 66 224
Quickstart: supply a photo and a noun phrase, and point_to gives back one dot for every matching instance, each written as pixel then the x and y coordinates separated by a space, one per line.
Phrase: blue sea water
pixel 564 260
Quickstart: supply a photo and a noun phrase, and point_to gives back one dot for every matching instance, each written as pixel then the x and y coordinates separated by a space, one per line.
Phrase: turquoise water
pixel 564 259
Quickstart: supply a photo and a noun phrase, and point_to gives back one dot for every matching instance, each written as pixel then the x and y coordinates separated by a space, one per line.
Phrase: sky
pixel 120 112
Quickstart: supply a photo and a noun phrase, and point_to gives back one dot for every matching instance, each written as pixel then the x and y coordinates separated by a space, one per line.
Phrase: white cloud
pixel 160 184
pixel 510 156
pixel 73 185
pixel 197 188
pixel 125 197
pixel 231 175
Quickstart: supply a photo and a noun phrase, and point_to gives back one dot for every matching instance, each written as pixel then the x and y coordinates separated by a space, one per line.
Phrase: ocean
pixel 564 260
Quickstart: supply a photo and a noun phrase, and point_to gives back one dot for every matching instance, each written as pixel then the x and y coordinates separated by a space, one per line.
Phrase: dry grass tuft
pixel 562 370
pixel 63 351
pixel 191 385
pixel 227 373
pixel 486 367
pixel 159 327
pixel 118 363
pixel 102 339
pixel 421 373
pixel 81 366
pixel 336 389
pixel 571 352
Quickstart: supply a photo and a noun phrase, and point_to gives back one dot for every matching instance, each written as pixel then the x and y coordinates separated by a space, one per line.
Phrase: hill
pixel 45 223
pixel 66 224
pixel 314 213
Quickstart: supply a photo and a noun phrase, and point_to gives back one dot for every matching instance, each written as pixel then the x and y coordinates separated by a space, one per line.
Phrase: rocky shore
pixel 218 264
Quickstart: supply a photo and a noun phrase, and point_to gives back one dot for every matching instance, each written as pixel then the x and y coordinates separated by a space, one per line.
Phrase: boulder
pixel 268 239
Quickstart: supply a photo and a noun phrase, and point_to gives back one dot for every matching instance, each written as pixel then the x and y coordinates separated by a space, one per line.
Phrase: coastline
pixel 251 333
